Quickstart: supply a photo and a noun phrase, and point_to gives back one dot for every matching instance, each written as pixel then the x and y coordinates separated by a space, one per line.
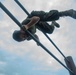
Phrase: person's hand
pixel 23 28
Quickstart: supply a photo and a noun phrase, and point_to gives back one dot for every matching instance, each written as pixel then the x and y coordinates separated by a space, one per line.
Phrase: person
pixel 39 19
pixel 21 35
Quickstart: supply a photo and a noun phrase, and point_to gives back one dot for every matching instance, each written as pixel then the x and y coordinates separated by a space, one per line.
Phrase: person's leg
pixel 46 16
pixel 70 13
pixel 45 27
pixel 51 15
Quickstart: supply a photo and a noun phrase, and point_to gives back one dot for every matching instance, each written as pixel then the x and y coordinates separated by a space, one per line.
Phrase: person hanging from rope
pixel 39 19
pixel 31 24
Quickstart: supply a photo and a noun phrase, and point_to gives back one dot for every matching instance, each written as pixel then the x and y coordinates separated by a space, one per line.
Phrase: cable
pixel 22 7
pixel 55 46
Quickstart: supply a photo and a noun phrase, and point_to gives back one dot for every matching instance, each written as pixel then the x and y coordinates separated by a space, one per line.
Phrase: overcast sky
pixel 26 58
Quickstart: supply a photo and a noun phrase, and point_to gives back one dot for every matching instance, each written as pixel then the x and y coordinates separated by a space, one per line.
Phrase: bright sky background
pixel 26 58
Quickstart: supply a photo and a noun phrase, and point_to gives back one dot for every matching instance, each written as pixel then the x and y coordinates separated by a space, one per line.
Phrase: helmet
pixel 16 36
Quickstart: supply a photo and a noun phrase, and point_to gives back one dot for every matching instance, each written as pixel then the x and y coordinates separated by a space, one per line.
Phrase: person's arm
pixel 26 21
pixel 32 22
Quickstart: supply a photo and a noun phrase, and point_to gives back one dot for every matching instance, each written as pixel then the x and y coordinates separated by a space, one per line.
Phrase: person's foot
pixel 72 13
pixel 56 24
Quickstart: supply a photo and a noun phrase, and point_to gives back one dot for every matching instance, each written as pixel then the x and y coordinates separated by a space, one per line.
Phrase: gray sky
pixel 26 57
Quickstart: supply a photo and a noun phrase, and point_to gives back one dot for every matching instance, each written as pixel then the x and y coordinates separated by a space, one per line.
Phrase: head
pixel 19 35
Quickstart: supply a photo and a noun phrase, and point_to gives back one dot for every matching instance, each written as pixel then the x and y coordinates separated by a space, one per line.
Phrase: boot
pixel 55 24
pixel 71 13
